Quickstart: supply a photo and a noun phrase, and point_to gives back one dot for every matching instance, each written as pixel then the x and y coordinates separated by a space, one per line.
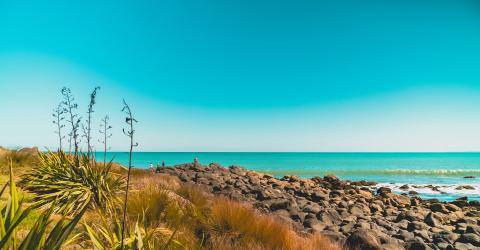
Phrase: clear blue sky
pixel 249 75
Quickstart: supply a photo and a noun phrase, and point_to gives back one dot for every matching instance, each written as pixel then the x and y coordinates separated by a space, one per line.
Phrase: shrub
pixel 58 177
pixel 41 235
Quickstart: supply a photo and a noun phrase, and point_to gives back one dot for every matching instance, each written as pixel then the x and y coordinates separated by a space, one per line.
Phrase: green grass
pixel 27 197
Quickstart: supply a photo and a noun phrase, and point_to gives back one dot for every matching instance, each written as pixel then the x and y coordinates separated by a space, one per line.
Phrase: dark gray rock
pixel 417 225
pixel 417 245
pixel 384 190
pixel 319 196
pixel 363 239
pixel 312 208
pixel 473 229
pixel 464 246
pixel 439 207
pixel 431 220
pixel 340 209
pixel 279 204
pixel 470 238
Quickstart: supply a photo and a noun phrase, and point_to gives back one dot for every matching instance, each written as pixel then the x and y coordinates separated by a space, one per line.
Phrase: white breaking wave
pixel 377 171
pixel 449 189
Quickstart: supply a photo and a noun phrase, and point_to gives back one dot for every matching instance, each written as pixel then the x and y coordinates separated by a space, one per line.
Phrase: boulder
pixel 363 239
pixel 279 204
pixel 404 235
pixel 401 200
pixel 356 210
pixel 319 196
pixel 462 187
pixel 474 203
pixel 238 170
pixel 365 194
pixel 452 207
pixel 314 225
pixel 311 208
pixel 409 215
pixel 412 192
pixel 473 229
pixel 431 220
pixel 417 245
pixel 464 246
pixel 470 238
pixel 383 190
pixel 417 225
pixel 331 178
pixel 438 207
pixel 329 217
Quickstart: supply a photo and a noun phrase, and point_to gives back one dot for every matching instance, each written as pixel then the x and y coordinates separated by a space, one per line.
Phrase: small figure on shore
pixel 196 163
pixel 158 168
pixel 151 168
pixel 163 163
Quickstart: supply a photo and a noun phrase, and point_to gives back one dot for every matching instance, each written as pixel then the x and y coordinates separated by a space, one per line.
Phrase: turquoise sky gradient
pixel 249 75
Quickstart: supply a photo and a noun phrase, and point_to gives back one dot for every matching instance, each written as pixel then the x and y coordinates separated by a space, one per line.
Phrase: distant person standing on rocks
pixel 163 163
pixel 158 168
pixel 196 163
pixel 151 168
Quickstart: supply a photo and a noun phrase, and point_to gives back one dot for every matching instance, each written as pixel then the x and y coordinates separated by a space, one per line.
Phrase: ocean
pixel 446 170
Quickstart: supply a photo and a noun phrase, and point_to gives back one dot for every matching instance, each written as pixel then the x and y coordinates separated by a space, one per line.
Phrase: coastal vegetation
pixel 65 199
pixel 69 200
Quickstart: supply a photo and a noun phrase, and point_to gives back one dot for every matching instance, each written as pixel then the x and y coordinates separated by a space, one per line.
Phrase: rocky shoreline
pixel 348 212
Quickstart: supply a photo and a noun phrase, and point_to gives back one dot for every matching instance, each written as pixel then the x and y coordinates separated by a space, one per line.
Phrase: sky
pixel 246 75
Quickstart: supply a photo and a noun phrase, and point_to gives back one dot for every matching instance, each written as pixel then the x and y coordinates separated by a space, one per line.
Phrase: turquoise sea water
pixel 389 169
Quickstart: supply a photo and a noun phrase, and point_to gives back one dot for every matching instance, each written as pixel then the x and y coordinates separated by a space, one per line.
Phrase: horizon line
pixel 45 149
pixel 291 151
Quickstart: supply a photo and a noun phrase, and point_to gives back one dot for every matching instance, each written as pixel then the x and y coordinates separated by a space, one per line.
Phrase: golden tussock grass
pixel 238 226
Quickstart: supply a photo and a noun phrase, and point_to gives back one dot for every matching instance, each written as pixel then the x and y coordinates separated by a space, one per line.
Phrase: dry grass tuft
pixel 154 197
pixel 317 242
pixel 236 226
pixel 194 194
pixel 232 220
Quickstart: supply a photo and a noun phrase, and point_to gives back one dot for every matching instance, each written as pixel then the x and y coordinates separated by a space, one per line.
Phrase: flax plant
pixel 105 127
pixel 57 120
pixel 58 178
pixel 73 119
pixel 130 120
pixel 42 235
pixel 88 128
